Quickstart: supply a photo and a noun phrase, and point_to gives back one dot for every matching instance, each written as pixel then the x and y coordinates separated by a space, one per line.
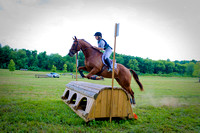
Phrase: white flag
pixel 117 30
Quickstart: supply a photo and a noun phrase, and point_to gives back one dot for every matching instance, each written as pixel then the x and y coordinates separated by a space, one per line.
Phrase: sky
pixel 154 29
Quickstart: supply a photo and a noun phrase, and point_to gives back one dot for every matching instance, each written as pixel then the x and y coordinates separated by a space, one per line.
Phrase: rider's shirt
pixel 103 44
pixel 106 47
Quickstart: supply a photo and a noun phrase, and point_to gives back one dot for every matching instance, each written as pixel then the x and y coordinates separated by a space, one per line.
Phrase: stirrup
pixel 109 70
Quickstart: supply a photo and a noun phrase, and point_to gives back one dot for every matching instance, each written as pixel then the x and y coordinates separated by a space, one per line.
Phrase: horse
pixel 94 65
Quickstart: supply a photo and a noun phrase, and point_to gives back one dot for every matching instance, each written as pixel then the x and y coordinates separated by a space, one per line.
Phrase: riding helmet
pixel 98 34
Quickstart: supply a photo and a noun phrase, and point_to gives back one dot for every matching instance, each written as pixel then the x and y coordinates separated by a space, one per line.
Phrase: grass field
pixel 29 104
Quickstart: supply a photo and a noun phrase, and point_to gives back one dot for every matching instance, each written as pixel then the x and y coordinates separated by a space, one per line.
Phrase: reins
pixel 83 49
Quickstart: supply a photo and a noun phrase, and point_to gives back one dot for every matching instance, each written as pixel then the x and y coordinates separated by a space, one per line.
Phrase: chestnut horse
pixel 94 65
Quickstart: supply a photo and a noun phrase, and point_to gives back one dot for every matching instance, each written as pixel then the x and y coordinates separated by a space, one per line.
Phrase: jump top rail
pixel 89 89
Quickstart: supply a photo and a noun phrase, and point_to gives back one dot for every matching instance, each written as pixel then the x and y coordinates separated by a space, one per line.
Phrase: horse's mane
pixel 90 45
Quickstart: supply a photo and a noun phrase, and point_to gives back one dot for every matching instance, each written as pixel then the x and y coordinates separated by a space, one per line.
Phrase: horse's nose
pixel 70 54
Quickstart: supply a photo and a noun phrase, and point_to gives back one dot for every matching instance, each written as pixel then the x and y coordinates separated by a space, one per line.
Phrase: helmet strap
pixel 99 37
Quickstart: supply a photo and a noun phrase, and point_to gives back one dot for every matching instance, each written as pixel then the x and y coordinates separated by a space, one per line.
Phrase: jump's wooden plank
pixel 83 88
pixel 82 91
pixel 89 85
pixel 115 103
pixel 103 103
pixel 120 103
pixel 91 114
pixel 124 106
pixel 98 106
pixel 108 102
pixel 130 111
pixel 90 102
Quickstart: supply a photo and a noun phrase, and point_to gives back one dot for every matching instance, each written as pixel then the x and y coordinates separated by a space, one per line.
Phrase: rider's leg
pixel 109 64
pixel 106 55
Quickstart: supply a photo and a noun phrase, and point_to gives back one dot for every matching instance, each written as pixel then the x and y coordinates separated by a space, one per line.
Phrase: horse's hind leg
pixel 126 86
pixel 133 98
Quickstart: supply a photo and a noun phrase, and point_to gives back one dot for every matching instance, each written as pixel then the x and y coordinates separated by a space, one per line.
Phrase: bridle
pixel 75 46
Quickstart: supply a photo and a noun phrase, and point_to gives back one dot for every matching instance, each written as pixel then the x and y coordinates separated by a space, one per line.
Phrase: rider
pixel 102 45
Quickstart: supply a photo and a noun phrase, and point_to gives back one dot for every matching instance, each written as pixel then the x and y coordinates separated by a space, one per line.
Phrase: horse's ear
pixel 75 38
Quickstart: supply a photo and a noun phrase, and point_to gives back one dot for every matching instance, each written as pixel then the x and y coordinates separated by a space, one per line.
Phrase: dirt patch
pixel 151 99
pixel 170 101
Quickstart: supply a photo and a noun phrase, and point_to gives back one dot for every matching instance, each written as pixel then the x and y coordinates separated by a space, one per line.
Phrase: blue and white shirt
pixel 103 44
pixel 108 50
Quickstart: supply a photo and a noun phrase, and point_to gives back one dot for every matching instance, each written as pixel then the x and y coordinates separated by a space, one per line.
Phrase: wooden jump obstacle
pixel 91 101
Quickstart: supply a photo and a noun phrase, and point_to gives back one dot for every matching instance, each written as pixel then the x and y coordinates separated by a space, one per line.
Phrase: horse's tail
pixel 137 79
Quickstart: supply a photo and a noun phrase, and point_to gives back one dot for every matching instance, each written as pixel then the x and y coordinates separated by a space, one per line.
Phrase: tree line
pixel 32 60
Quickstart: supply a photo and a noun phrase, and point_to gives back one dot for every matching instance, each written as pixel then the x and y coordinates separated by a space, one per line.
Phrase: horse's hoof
pixel 75 107
pixel 68 101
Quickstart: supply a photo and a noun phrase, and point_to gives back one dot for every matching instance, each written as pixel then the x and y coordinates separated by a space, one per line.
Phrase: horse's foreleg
pixel 81 69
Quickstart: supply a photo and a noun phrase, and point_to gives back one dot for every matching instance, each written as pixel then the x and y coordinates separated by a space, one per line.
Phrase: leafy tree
pixel 71 67
pixel 169 67
pixel 180 68
pixel 133 64
pixel 11 65
pixel 140 64
pixel 120 60
pixel 4 56
pixel 65 67
pixel 34 59
pixel 43 61
pixel 56 59
pixel 196 72
pixel 74 68
pixel 126 60
pixel 190 69
pixel 22 59
pixel 148 66
pixel 53 68
pixel 31 60
pixel 159 67
pixel 81 59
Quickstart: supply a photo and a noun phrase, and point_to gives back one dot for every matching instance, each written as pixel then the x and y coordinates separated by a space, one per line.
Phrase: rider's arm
pixel 101 45
pixel 98 48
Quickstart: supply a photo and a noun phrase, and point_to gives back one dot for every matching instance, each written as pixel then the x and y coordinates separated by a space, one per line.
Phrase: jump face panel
pixel 91 101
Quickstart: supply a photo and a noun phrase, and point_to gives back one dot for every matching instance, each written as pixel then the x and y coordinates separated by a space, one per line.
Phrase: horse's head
pixel 75 47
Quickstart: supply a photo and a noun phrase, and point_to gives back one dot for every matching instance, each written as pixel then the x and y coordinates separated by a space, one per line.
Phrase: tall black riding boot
pixel 109 65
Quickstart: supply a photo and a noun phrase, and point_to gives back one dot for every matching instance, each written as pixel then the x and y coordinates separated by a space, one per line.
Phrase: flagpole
pixel 76 65
pixel 113 70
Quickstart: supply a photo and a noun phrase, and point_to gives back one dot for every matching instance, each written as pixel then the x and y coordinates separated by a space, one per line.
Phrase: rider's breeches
pixel 107 53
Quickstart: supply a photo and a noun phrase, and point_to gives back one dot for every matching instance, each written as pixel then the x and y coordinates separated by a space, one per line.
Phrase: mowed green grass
pixel 29 104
